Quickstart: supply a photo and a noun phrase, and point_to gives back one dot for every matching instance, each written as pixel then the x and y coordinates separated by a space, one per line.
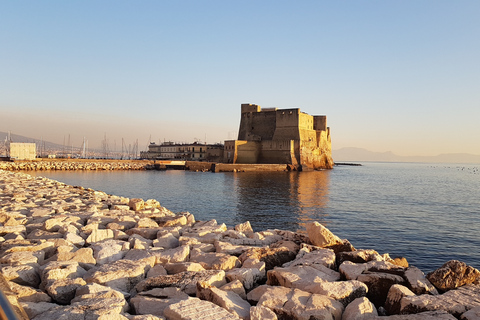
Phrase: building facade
pixel 189 152
pixel 22 151
pixel 281 136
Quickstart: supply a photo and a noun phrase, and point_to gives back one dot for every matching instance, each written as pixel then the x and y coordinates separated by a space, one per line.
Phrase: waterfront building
pixel 190 152
pixel 21 150
pixel 281 136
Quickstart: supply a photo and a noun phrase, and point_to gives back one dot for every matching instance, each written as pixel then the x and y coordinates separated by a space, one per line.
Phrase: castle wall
pixel 241 151
pixel 320 123
pixel 248 151
pixel 287 125
pixel 256 125
pixel 277 151
pixel 247 107
pixel 305 121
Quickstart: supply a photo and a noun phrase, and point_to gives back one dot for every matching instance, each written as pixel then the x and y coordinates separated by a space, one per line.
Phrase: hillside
pixel 17 138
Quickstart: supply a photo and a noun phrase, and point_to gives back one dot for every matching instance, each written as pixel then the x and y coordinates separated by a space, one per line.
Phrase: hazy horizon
pixel 390 76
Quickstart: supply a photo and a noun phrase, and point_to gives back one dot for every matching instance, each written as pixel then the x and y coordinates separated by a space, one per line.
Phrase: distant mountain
pixel 352 154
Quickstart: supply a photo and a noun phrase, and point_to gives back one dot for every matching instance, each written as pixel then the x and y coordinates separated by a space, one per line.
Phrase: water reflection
pixel 285 200
pixel 312 193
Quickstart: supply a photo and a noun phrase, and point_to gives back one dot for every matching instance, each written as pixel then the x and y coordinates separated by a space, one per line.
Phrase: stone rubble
pixel 74 253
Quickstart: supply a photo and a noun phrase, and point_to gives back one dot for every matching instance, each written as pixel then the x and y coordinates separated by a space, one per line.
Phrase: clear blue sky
pixel 401 76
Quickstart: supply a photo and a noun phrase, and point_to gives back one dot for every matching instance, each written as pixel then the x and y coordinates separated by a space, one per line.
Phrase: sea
pixel 428 213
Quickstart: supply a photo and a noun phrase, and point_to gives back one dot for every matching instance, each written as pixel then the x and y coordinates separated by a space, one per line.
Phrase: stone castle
pixel 281 136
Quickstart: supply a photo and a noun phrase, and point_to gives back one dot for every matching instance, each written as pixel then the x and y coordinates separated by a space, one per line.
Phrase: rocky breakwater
pixel 73 253
pixel 68 164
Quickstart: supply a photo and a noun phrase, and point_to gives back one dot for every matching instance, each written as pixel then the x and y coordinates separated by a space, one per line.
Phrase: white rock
pixel 23 275
pixel 109 251
pixel 228 300
pixel 167 241
pixel 247 276
pixel 98 235
pixel 194 309
pixel 237 287
pixel 215 261
pixel 122 275
pixel 321 236
pixel 262 313
pixel 418 283
pixel 179 254
pixel 300 277
pixel 157 270
pixel 173 268
pixel 359 309
pixel 33 309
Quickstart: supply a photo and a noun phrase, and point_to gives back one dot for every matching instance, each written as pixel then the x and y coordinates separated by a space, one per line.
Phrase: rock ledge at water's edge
pixel 73 253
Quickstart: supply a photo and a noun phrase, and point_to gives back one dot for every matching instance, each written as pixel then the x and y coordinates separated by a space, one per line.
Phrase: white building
pixel 22 151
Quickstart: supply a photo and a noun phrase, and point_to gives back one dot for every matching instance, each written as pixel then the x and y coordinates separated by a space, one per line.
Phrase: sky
pixel 400 76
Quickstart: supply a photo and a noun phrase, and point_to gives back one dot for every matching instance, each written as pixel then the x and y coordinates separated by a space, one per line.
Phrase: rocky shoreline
pixel 76 164
pixel 73 253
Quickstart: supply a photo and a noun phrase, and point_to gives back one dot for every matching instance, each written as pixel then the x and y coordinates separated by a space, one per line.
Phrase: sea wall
pixel 73 253
pixel 76 164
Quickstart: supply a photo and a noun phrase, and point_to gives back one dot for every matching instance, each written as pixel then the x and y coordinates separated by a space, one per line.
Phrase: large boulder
pixel 88 309
pixel 179 254
pixel 109 250
pixel 83 255
pixel 359 256
pixel 122 275
pixel 472 314
pixel 359 309
pixel 98 235
pixel 194 309
pixel 394 298
pixel 178 267
pixel 378 285
pixel 453 274
pixel 59 270
pixel 156 300
pixel 28 294
pixel 235 286
pixel 273 257
pixel 24 275
pixel 343 291
pixel 33 309
pixel 297 304
pixel 262 313
pixel 417 282
pixel 96 291
pixel 186 281
pixel 323 257
pixel 63 291
pixel 321 236
pixel 455 301
pixel 249 277
pixel 22 257
pixel 228 300
pixel 300 277
pixel 214 261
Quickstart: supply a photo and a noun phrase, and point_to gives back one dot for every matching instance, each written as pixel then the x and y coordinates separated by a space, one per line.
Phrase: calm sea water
pixel 428 213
